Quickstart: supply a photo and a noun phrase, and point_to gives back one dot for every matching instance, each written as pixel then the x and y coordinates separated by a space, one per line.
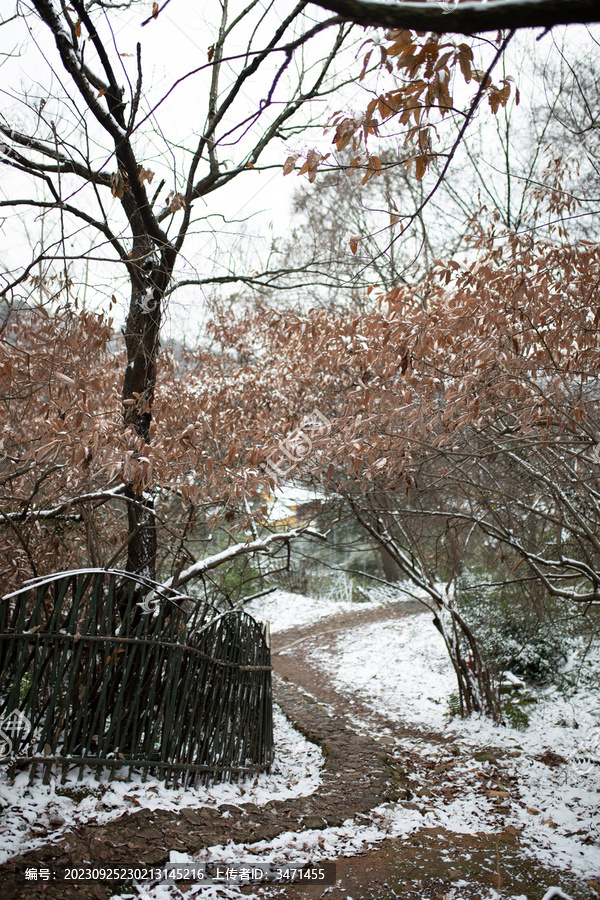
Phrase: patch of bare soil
pixel 437 865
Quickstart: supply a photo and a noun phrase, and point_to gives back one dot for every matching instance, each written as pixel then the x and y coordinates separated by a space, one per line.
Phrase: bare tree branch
pixel 260 546
pixel 466 18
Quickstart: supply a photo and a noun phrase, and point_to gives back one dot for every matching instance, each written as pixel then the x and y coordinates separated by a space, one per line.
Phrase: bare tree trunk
pixel 475 689
pixel 150 273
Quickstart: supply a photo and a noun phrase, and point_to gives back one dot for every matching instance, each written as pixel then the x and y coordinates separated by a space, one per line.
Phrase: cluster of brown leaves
pixel 175 201
pixel 507 342
pixel 119 183
pixel 424 66
pixel 510 340
pixel 64 439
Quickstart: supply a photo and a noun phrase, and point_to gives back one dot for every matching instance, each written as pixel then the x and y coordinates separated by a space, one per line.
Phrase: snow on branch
pixel 262 545
pixel 56 512
pixel 466 18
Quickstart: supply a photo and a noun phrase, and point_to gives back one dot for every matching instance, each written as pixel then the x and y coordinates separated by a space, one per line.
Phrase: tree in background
pixel 510 480
pixel 81 157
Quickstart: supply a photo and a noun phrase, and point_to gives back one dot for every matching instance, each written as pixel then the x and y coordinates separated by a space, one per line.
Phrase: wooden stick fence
pixel 183 694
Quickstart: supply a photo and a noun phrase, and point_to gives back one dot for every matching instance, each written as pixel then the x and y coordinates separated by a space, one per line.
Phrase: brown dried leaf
pixel 421 166
pixel 118 183
pixel 145 175
pixel 311 164
pixel 290 163
pixel 365 64
pixel 175 201
pixel 65 379
pixel 482 77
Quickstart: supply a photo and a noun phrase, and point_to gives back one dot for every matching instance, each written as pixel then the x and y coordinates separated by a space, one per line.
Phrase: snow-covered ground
pixel 283 610
pixel 400 668
pixel 30 816
pixel 397 667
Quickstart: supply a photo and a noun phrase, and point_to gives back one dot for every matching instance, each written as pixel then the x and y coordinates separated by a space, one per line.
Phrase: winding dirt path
pixel 363 768
pixel 431 864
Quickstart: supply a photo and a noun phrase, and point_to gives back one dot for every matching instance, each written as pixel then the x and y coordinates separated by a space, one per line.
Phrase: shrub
pixel 515 633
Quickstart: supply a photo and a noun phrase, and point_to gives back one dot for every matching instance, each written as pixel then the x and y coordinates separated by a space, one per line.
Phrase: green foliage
pixel 585 672
pixel 534 653
pixel 516 631
pixel 77 794
pixel 24 687
pixel 453 711
pixel 514 712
